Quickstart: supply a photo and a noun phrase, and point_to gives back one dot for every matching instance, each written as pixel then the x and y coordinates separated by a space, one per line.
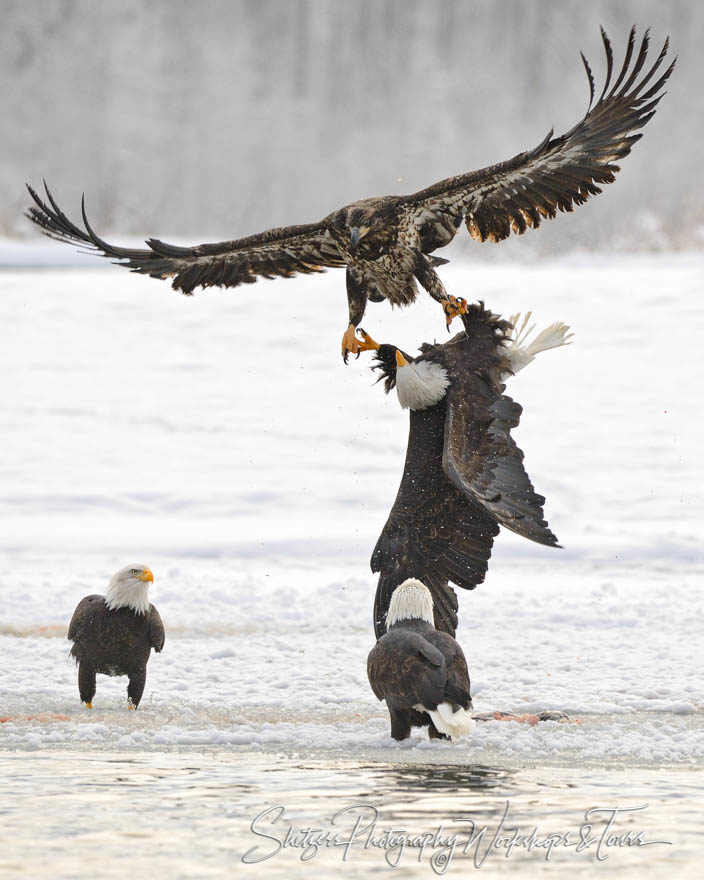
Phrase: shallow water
pixel 197 814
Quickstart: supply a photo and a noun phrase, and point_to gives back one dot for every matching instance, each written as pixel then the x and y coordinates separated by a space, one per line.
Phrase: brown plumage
pixel 419 672
pixel 385 242
pixel 463 476
pixel 114 634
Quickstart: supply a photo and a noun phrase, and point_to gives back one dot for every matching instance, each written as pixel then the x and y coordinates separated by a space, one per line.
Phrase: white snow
pixel 221 440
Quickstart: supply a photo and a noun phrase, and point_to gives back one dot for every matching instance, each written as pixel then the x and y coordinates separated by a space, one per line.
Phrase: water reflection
pixel 68 814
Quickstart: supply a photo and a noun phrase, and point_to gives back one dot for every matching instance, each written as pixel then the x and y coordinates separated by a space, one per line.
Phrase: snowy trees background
pixel 223 117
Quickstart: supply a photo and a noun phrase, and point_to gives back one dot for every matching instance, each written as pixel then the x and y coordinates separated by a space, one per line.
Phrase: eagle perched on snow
pixel 420 672
pixel 114 634
pixel 386 243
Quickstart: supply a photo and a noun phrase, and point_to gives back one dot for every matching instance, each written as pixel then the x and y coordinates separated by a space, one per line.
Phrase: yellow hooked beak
pixel 146 575
pixel 400 359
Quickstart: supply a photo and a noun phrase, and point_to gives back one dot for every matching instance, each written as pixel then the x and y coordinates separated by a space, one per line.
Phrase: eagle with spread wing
pixel 386 243
pixel 463 476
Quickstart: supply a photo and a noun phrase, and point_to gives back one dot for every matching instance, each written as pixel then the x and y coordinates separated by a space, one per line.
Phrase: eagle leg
pixel 400 724
pixel 135 688
pixel 86 683
pixel 357 303
pixel 453 306
pixel 434 733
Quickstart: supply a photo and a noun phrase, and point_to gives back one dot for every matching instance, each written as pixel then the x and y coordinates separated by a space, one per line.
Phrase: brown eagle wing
pixel 434 532
pixel 483 461
pixel 405 667
pixel 157 635
pixel 276 252
pixel 557 174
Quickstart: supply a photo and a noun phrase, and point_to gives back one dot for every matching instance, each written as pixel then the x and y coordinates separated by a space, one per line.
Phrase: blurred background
pixel 221 118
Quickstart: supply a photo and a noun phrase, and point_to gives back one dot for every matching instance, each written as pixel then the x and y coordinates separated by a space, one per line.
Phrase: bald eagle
pixel 385 243
pixel 420 673
pixel 463 476
pixel 114 634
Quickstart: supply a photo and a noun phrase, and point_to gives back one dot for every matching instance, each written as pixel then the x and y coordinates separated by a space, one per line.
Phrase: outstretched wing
pixel 434 532
pixel 482 460
pixel 559 173
pixel 276 252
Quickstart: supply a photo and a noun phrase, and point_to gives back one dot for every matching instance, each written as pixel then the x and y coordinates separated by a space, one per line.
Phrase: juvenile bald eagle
pixel 385 242
pixel 420 673
pixel 114 634
pixel 464 475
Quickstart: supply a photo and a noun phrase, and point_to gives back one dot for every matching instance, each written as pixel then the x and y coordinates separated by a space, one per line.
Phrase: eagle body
pixel 385 242
pixel 463 476
pixel 113 641
pixel 421 674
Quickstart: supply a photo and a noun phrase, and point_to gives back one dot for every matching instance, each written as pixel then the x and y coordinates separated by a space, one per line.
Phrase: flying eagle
pixel 114 634
pixel 385 243
pixel 463 476
pixel 420 673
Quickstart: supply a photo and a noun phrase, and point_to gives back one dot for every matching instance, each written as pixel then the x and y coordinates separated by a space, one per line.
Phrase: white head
pixel 410 601
pixel 420 384
pixel 129 588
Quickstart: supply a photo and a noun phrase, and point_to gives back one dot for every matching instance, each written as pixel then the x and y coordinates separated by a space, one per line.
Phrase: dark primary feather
pixel 482 460
pixel 276 252
pixel 557 174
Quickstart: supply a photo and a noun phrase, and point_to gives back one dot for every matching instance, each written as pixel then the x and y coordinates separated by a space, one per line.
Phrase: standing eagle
pixel 420 673
pixel 114 634
pixel 385 243
pixel 463 476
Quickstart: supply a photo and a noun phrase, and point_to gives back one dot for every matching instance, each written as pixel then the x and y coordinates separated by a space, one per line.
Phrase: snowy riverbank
pixel 221 441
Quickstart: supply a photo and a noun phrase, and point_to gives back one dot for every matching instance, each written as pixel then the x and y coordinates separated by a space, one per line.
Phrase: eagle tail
pixel 452 720
pixel 519 354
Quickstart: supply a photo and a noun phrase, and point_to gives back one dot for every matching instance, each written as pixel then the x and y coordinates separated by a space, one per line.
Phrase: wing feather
pixel 277 252
pixel 157 635
pixel 434 531
pixel 483 461
pixel 404 668
pixel 557 174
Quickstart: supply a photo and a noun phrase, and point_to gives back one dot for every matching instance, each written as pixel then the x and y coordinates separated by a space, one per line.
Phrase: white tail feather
pixel 454 724
pixel 518 355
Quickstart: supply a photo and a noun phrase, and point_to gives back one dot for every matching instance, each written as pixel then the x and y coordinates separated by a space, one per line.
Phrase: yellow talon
pixel 130 705
pixel 89 705
pixel 367 343
pixel 452 307
pixel 350 343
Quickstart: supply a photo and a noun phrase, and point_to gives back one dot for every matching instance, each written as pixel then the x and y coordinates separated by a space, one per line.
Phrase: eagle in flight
pixel 386 243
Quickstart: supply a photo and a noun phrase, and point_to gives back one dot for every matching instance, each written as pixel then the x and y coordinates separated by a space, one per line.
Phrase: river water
pixel 220 813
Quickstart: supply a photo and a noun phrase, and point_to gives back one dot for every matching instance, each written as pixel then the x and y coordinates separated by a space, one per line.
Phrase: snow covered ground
pixel 220 440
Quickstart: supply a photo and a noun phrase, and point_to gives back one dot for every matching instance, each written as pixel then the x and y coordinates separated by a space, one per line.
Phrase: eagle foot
pixel 350 343
pixel 88 705
pixel 367 343
pixel 130 705
pixel 453 306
